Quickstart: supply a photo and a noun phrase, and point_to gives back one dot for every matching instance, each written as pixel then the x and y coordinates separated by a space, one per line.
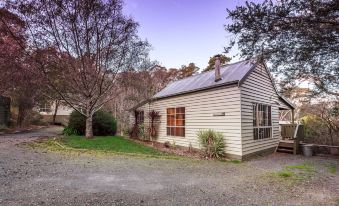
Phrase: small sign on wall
pixel 219 114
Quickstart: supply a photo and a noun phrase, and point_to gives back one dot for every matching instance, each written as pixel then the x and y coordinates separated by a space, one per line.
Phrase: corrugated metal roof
pixel 231 73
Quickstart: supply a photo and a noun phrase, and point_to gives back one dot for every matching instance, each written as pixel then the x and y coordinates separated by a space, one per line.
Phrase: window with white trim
pixel 262 121
pixel 140 117
pixel 46 107
pixel 176 121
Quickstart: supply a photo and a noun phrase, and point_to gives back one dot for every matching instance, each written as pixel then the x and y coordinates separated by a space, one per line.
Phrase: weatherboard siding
pixel 258 88
pixel 236 125
pixel 199 110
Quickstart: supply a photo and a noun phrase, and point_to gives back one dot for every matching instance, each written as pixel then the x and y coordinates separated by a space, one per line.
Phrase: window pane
pixel 254 114
pixel 175 131
pixel 181 110
pixel 172 131
pixel 182 132
pixel 255 133
pixel 140 117
pixel 180 122
pixel 170 120
pixel 269 133
pixel 168 131
pixel 180 116
pixel 269 116
pixel 261 133
pixel 171 111
pixel 264 114
pixel 261 118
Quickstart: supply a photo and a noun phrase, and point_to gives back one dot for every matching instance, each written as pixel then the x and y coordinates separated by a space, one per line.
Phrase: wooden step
pixel 285 150
pixel 286 144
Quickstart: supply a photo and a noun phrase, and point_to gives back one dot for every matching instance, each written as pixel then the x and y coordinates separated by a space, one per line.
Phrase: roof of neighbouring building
pixel 230 73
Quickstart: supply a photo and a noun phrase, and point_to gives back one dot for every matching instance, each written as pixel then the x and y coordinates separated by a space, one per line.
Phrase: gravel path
pixel 37 177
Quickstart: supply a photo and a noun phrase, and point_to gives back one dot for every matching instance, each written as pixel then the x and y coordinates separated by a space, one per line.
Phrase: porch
pixel 292 133
pixel 291 137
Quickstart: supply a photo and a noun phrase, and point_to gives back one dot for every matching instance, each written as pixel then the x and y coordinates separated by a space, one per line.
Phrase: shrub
pixel 35 118
pixel 127 131
pixel 167 144
pixel 134 133
pixel 153 116
pixel 3 127
pixel 212 143
pixel 317 131
pixel 68 131
pixel 142 133
pixel 103 123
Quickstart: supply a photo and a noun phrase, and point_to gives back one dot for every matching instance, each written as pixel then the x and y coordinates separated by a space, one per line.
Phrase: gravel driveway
pixel 37 177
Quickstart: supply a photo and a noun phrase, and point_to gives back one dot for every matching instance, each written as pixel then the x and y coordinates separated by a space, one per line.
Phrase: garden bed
pixel 172 149
pixel 325 149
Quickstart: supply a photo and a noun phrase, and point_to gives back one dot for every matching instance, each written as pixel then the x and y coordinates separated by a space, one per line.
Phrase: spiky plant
pixel 153 116
pixel 212 143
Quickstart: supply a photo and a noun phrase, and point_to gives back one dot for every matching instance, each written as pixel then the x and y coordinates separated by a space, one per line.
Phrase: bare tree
pixel 85 44
pixel 322 121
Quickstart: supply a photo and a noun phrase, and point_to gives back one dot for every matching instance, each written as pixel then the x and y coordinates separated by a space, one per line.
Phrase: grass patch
pixel 103 145
pixel 331 168
pixel 296 172
pixel 236 161
pixel 304 168
pixel 109 143
pixel 285 174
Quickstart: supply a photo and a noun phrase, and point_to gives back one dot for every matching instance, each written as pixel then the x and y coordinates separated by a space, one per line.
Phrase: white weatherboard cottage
pixel 243 105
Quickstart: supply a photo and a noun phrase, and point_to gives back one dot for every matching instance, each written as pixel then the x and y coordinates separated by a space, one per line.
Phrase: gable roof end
pixel 286 101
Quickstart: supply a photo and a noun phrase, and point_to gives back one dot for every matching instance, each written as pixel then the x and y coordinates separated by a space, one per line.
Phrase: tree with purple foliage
pixel 84 44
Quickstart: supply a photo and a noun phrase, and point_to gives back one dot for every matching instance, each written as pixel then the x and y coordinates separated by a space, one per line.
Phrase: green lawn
pixel 110 143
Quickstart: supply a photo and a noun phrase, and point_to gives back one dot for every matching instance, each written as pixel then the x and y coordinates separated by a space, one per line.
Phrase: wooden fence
pixel 288 131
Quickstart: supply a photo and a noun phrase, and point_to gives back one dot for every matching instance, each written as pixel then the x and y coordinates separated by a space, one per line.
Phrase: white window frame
pixel 175 119
pixel 140 120
pixel 267 121
pixel 46 108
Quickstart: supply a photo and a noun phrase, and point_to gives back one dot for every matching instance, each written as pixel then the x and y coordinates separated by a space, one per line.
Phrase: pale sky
pixel 183 31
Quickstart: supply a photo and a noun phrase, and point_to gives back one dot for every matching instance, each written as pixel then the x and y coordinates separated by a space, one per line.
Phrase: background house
pixel 48 110
pixel 243 105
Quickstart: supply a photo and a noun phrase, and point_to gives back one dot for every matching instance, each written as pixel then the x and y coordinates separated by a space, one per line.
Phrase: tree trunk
pixel 21 115
pixel 89 126
pixel 55 111
pixel 331 136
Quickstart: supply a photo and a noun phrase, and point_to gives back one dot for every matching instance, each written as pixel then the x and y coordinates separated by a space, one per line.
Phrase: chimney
pixel 217 68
